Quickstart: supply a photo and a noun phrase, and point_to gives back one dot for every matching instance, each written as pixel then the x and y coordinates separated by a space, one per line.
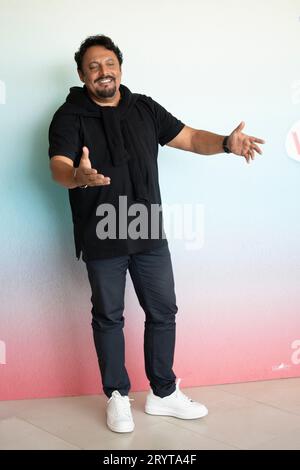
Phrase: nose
pixel 103 71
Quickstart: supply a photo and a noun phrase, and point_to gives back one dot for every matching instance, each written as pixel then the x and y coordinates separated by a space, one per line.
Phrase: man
pixel 103 148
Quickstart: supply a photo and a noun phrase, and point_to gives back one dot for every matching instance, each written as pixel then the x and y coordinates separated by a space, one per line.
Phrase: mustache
pixel 101 78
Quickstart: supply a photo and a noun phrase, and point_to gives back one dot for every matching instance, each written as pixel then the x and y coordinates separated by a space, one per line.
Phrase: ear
pixel 81 76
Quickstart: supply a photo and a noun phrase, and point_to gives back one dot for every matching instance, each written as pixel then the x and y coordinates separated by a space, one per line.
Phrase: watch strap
pixel 225 146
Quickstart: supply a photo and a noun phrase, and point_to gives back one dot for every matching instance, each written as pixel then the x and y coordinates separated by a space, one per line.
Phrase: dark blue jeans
pixel 152 276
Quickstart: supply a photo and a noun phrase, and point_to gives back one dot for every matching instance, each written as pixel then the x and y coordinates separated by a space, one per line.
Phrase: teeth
pixel 105 80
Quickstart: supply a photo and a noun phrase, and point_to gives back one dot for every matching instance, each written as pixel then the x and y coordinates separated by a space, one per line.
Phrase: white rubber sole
pixel 161 412
pixel 128 428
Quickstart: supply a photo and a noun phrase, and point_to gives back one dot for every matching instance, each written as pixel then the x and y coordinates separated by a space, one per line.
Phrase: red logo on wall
pixel 293 142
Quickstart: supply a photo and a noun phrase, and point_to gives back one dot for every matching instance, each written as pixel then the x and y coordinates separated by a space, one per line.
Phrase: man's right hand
pixel 86 175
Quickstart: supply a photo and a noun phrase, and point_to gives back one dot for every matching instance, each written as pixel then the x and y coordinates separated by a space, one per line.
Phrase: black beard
pixel 106 92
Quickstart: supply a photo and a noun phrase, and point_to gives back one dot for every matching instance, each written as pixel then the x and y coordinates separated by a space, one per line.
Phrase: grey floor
pixel 255 415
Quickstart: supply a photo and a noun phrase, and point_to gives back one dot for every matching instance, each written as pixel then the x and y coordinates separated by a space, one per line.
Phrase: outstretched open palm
pixel 243 144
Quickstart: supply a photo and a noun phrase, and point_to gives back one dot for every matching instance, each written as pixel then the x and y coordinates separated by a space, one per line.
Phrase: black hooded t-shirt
pixel 131 164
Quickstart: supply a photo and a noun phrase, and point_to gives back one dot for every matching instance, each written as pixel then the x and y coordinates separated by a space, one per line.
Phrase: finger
pixel 247 155
pixel 99 183
pixel 94 178
pixel 256 139
pixel 103 179
pixel 252 154
pixel 245 150
pixel 99 179
pixel 85 153
pixel 240 127
pixel 256 147
pixel 89 171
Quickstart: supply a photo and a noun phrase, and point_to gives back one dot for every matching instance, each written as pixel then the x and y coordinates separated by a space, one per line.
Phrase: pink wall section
pixel 235 344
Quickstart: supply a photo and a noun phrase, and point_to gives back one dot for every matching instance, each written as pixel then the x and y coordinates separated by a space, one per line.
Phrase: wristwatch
pixel 225 146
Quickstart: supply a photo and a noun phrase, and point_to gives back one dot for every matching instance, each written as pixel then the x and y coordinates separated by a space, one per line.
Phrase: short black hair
pixel 98 40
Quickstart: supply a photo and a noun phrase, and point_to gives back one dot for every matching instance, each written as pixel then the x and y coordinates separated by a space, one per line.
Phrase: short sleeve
pixel 64 136
pixel 168 125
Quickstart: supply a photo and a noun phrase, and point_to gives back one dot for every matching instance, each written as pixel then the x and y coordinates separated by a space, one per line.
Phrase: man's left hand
pixel 243 144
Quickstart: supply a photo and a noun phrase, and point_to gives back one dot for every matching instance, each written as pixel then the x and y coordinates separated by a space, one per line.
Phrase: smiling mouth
pixel 105 81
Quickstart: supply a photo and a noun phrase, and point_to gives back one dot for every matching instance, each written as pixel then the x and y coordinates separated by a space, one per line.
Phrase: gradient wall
pixel 212 64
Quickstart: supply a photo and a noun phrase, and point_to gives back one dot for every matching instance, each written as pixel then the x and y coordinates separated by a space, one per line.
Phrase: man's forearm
pixel 207 143
pixel 63 174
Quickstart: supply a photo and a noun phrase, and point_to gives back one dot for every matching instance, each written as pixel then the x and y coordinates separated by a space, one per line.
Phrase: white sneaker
pixel 118 413
pixel 177 405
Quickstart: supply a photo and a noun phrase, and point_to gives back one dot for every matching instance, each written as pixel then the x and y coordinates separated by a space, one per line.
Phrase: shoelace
pixel 180 394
